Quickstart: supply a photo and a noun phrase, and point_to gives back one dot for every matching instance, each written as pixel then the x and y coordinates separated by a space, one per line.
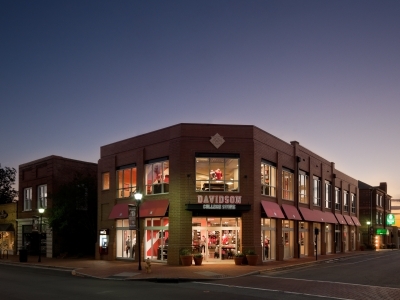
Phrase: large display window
pixel 156 238
pixel 268 238
pixel 328 238
pixel 287 184
pixel 157 177
pixel 303 187
pixel 217 174
pixel 125 240
pixel 268 179
pixel 303 238
pixel 288 238
pixel 216 238
pixel 126 181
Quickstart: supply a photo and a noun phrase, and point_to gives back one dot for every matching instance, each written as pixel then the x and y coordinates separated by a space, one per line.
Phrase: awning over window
pixel 340 218
pixel 310 215
pixel 330 217
pixel 6 227
pixel 154 208
pixel 356 221
pixel 349 220
pixel 291 212
pixel 119 211
pixel 272 210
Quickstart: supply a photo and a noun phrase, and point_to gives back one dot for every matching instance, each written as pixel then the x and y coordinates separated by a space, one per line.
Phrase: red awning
pixel 154 208
pixel 349 220
pixel 356 221
pixel 119 211
pixel 309 215
pixel 291 212
pixel 272 210
pixel 340 218
pixel 330 217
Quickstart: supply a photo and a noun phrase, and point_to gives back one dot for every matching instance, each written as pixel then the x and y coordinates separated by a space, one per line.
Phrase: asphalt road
pixel 374 276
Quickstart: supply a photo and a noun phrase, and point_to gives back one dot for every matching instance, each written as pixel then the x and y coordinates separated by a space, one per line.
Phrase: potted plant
pixel 238 258
pixel 186 257
pixel 251 257
pixel 198 259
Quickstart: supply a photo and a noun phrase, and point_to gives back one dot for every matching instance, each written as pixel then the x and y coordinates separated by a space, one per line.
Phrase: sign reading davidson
pixel 217 199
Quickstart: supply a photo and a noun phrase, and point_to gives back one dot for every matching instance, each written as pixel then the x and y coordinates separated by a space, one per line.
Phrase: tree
pixel 73 215
pixel 7 180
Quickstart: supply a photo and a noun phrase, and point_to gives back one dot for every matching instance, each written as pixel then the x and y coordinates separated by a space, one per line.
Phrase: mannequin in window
pixel 128 246
pixel 218 174
pixel 266 247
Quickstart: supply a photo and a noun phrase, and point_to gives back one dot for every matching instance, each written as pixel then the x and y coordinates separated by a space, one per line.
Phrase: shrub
pixel 250 252
pixel 186 251
pixel 239 254
pixel 198 255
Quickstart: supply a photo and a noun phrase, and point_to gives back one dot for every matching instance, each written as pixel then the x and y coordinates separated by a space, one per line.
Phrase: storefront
pixel 7 239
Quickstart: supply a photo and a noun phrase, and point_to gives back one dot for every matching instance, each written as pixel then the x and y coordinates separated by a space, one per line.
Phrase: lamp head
pixel 41 210
pixel 138 196
pixel 368 222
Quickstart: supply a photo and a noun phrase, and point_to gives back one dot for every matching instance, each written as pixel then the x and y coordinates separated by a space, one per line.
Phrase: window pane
pixel 106 181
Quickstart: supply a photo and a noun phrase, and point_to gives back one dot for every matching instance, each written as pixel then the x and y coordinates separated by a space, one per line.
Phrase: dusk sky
pixel 77 75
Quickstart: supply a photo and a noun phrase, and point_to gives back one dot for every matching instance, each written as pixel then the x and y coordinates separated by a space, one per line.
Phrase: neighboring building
pixel 8 216
pixel 375 207
pixel 395 210
pixel 220 189
pixel 37 179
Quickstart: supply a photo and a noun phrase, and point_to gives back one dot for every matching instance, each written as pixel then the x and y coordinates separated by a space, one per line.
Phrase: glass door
pixel 303 239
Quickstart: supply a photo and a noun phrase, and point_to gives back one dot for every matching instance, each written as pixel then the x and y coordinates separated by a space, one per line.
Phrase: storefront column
pixel 322 232
pixel 280 250
pixel 311 240
pixel 296 240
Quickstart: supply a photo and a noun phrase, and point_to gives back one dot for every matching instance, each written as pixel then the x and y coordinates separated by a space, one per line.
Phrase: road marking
pixel 269 290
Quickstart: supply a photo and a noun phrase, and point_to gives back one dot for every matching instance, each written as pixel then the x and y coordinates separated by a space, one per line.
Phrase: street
pixel 369 276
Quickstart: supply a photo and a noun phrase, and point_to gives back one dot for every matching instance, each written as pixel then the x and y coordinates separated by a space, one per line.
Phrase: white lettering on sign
pixel 219 206
pixel 219 199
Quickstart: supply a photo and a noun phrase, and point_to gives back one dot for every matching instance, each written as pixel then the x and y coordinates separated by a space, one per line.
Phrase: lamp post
pixel 369 233
pixel 138 198
pixel 41 211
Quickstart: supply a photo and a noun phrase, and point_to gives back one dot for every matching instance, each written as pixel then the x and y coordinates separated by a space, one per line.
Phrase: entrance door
pixel 287 238
pixel 303 239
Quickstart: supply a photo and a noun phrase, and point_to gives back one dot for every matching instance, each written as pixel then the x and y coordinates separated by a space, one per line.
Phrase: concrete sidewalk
pixel 161 272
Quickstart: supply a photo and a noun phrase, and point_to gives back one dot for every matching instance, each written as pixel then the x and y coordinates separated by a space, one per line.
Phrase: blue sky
pixel 76 75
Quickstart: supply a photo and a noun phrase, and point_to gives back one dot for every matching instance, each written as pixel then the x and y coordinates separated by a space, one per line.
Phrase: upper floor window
pixel 105 181
pixel 346 201
pixel 303 187
pixel 328 194
pixel 126 181
pixel 268 179
pixel 353 203
pixel 219 173
pixel 28 199
pixel 338 203
pixel 380 201
pixel 389 204
pixel 377 200
pixel 317 191
pixel 42 196
pixel 287 184
pixel 157 176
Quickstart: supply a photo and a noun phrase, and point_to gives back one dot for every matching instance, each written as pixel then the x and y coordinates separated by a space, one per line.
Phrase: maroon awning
pixel 119 211
pixel 154 208
pixel 330 217
pixel 340 218
pixel 356 221
pixel 348 220
pixel 272 210
pixel 310 215
pixel 291 212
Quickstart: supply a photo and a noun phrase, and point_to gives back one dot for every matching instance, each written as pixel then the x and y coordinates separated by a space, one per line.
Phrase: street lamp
pixel 138 198
pixel 369 233
pixel 41 211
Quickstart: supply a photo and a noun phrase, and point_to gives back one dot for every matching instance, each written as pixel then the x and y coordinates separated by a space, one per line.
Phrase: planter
pixel 197 261
pixel 238 260
pixel 252 260
pixel 186 260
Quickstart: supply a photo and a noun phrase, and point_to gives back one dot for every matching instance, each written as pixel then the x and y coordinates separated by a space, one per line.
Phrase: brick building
pixel 37 180
pixel 375 207
pixel 8 216
pixel 219 189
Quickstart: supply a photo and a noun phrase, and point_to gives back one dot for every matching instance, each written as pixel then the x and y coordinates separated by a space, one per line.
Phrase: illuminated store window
pixel 317 191
pixel 287 184
pixel 28 199
pixel 106 181
pixel 217 174
pixel 338 205
pixel 328 194
pixel 126 181
pixel 42 196
pixel 303 187
pixel 157 176
pixel 268 179
pixel 346 201
pixel 353 203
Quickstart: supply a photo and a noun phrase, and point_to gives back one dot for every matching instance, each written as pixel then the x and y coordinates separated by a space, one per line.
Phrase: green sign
pixel 382 231
pixel 390 220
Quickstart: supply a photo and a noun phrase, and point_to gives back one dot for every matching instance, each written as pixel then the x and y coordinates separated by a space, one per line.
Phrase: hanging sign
pixel 390 219
pixel 132 216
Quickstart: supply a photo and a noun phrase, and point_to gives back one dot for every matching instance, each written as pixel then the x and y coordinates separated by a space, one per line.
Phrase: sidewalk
pixel 161 272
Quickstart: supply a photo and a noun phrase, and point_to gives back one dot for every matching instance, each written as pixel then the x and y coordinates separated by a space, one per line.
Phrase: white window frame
pixel 303 187
pixel 346 201
pixel 316 191
pixel 287 184
pixel 28 199
pixel 353 203
pixel 338 204
pixel 268 184
pixel 328 194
